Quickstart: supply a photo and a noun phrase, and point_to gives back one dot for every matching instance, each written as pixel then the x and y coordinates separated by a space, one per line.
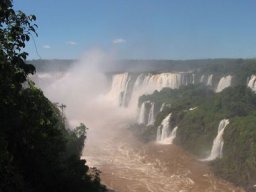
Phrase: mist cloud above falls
pixel 83 90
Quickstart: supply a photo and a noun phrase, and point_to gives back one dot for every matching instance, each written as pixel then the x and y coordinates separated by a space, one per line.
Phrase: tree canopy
pixel 37 151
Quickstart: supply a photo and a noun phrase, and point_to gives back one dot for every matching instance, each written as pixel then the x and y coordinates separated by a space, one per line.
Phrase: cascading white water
pixel 118 91
pixel 142 114
pixel 201 79
pixel 125 93
pixel 192 108
pixel 206 80
pixel 151 114
pixel 209 80
pixel 224 83
pixel 158 134
pixel 165 125
pixel 152 82
pixel 145 84
pixel 125 90
pixel 172 135
pixel 162 107
pixel 217 147
pixel 139 80
pixel 164 136
pixel 146 113
pixel 252 83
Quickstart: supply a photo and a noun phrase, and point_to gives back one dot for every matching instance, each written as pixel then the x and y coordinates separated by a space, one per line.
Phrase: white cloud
pixel 119 41
pixel 46 46
pixel 71 43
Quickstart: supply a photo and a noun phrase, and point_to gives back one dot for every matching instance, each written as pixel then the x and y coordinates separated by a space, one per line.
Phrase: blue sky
pixel 143 29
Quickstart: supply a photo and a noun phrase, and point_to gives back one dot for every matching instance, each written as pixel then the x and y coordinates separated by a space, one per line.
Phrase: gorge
pixel 184 107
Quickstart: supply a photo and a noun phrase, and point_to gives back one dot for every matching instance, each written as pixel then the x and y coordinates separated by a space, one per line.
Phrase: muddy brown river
pixel 128 165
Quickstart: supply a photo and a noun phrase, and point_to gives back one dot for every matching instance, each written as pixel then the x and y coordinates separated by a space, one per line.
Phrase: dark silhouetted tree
pixel 37 151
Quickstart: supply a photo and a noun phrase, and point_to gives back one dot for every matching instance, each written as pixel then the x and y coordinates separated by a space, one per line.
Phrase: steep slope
pixel 199 113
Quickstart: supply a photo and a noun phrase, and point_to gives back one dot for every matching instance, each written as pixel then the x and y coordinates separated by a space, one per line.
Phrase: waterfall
pixel 223 83
pixel 146 113
pixel 123 100
pixel 142 114
pixel 206 80
pixel 192 108
pixel 162 107
pixel 163 132
pixel 127 88
pixel 252 83
pixel 158 134
pixel 118 91
pixel 201 79
pixel 218 142
pixel 151 114
pixel 172 135
pixel 159 81
pixel 209 80
pixel 163 129
pixel 148 83
pixel 139 80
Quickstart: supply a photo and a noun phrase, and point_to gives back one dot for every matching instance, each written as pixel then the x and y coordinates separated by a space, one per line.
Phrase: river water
pixel 128 165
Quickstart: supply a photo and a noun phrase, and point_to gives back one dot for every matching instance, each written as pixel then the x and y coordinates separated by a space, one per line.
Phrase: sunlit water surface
pixel 130 166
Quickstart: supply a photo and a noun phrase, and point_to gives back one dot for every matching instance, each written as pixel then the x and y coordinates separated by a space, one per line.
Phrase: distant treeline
pixel 223 66
pixel 52 65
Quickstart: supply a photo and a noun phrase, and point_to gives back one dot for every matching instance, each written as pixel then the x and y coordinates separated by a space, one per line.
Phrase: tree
pixel 15 31
pixel 15 28
pixel 34 142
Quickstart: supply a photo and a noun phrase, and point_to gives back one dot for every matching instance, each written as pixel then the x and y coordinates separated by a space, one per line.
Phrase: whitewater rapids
pixel 128 165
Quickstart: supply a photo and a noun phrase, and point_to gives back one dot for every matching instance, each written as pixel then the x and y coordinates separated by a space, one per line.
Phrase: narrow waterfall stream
pixel 164 135
pixel 163 129
pixel 217 146
pixel 224 83
pixel 151 114
pixel 142 117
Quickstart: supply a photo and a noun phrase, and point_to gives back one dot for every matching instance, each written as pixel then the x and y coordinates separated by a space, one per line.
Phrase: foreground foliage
pixel 37 151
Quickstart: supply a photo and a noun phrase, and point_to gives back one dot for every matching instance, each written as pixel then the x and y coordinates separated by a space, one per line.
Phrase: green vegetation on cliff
pixel 198 127
pixel 239 161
